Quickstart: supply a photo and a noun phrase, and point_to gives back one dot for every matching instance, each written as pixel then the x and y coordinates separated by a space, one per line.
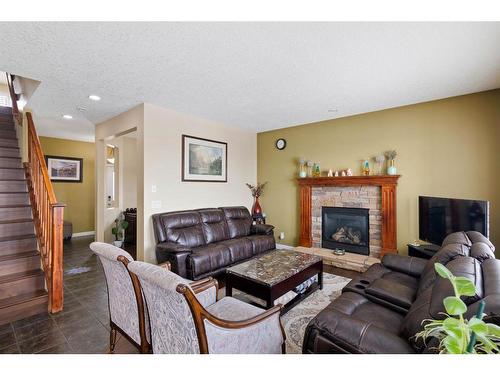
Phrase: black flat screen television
pixel 439 217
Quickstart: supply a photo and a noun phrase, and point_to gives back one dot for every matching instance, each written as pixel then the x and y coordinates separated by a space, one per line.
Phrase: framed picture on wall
pixel 64 169
pixel 203 160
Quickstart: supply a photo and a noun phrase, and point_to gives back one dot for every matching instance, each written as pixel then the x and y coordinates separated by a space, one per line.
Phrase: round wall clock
pixel 280 144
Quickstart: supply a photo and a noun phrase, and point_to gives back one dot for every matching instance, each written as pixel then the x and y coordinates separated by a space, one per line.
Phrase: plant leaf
pixel 452 345
pixel 478 326
pixel 454 306
pixel 443 271
pixel 493 330
pixel 453 327
pixel 488 345
pixel 464 286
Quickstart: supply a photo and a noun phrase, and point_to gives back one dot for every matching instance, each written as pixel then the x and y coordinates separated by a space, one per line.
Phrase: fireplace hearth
pixel 346 228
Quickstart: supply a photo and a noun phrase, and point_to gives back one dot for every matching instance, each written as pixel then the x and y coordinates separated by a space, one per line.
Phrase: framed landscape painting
pixel 203 160
pixel 64 169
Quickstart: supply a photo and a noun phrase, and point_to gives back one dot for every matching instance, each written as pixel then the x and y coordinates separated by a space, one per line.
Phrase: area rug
pixel 295 321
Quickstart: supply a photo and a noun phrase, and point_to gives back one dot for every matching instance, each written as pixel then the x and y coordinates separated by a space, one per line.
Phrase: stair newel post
pixel 56 269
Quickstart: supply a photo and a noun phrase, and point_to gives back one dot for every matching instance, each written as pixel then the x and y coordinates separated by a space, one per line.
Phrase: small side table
pixel 422 251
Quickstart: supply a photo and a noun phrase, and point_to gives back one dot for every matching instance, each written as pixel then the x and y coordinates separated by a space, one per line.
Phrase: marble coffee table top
pixel 275 266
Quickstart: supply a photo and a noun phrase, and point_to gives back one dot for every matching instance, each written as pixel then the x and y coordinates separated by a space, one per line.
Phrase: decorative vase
pixel 391 170
pixel 366 167
pixel 302 168
pixel 256 209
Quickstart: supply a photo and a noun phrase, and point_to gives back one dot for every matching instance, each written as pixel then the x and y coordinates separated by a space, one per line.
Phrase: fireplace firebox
pixel 346 228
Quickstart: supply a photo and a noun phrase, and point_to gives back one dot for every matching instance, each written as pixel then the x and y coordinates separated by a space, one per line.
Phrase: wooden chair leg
pixel 112 340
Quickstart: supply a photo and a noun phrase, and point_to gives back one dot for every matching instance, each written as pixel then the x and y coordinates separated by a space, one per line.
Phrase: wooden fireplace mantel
pixel 388 186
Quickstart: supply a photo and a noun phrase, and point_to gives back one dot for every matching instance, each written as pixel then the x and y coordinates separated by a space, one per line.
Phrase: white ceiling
pixel 257 76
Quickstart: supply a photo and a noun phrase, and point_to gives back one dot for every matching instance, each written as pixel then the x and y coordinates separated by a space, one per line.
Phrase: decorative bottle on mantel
pixel 366 167
pixel 391 156
pixel 302 168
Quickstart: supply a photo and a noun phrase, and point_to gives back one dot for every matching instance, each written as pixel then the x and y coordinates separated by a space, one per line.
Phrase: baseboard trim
pixel 285 247
pixel 83 234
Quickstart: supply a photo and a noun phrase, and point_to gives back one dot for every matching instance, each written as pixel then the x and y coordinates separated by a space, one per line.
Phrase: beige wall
pixel 128 163
pixel 78 197
pixel 163 129
pixel 446 148
pixel 4 89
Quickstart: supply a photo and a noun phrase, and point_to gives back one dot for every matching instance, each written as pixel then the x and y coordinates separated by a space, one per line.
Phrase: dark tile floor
pixel 83 326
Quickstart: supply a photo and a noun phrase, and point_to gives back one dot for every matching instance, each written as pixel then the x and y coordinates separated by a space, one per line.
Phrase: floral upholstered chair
pixel 126 305
pixel 187 318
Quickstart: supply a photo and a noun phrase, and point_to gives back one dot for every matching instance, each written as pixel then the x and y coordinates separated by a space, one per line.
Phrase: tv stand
pixel 426 251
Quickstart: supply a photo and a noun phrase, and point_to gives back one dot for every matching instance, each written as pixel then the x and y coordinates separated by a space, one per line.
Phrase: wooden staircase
pixel 22 281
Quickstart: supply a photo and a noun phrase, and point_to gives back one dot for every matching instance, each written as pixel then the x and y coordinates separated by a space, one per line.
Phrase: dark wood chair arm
pixel 243 323
pixel 204 284
pixel 200 314
pixel 166 265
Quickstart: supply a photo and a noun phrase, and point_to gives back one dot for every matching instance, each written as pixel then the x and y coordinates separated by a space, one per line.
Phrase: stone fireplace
pixel 345 228
pixel 371 198
pixel 367 198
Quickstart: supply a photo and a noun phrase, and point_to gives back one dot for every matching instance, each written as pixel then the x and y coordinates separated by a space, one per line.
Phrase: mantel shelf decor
pixel 388 186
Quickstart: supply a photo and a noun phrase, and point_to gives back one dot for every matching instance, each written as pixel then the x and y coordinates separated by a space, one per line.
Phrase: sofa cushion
pixel 214 225
pixel 466 267
pixel 261 243
pixel 481 251
pixel 443 256
pixel 208 258
pixel 181 227
pixel 239 248
pixel 238 221
pixel 476 237
pixel 416 316
pixel 460 238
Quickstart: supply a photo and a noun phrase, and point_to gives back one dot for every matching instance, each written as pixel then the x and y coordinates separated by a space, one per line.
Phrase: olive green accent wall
pixel 448 148
pixel 78 197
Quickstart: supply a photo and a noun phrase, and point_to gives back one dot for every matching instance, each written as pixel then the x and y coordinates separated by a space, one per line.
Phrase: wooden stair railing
pixel 47 216
pixel 14 98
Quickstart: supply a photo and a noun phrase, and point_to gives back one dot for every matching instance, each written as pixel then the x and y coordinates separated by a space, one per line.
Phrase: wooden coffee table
pixel 271 275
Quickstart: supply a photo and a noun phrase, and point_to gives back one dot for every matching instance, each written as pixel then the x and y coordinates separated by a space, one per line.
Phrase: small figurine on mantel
pixel 343 173
pixel 349 172
pixel 336 174
pixel 330 173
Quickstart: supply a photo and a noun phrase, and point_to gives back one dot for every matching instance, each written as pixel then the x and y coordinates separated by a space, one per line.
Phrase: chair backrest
pixel 123 298
pixel 172 326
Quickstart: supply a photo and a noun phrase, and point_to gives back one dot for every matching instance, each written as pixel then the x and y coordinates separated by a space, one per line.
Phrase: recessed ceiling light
pixel 67 117
pixel 95 98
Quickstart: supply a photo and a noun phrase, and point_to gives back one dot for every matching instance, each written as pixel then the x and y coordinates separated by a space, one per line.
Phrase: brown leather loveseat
pixel 382 310
pixel 204 242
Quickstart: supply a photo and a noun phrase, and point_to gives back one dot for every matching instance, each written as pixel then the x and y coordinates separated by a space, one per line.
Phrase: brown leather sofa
pixel 381 310
pixel 204 242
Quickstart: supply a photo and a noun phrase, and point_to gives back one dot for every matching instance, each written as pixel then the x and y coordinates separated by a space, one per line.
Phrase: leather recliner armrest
pixel 410 265
pixel 175 254
pixel 172 247
pixel 392 292
pixel 262 229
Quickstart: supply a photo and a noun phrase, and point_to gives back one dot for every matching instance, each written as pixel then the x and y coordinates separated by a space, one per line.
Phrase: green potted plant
pixel 118 231
pixel 455 334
